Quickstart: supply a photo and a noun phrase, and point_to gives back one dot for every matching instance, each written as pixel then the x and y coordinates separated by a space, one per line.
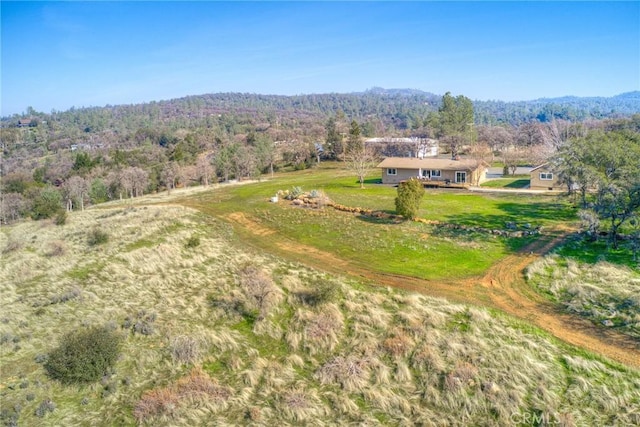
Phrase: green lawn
pixel 581 250
pixel 410 248
pixel 515 182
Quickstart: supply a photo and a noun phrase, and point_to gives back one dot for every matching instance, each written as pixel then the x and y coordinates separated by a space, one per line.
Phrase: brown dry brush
pixel 322 330
pixel 352 373
pixel 185 349
pixel 261 292
pixel 191 390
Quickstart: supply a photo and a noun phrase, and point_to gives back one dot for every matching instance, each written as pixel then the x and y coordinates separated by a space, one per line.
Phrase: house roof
pixel 402 140
pixel 429 163
pixel 544 165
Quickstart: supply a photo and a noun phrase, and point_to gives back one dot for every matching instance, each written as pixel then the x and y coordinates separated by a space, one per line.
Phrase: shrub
pixel 165 402
pixel 66 296
pixel 83 356
pixel 143 327
pixel 97 237
pixel 47 203
pixel 155 403
pixel 409 196
pixel 261 292
pixel 185 349
pixel 323 292
pixel 192 242
pixel 45 407
pixel 61 217
pixel 141 324
pixel 13 245
pixel 56 248
pixel 294 193
pixel 98 193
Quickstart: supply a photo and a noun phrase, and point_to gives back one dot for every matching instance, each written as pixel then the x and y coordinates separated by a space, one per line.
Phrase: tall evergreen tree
pixel 454 122
pixel 334 140
pixel 354 144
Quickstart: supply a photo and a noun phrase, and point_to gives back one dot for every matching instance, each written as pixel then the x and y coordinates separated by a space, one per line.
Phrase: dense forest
pixel 89 155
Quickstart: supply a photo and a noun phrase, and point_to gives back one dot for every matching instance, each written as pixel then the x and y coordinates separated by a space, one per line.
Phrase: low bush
pixel 45 407
pixel 166 402
pixel 410 194
pixel 192 242
pixel 61 217
pixel 56 248
pixel 97 237
pixel 83 356
pixel 185 349
pixel 66 296
pixel 142 323
pixel 13 245
pixel 323 292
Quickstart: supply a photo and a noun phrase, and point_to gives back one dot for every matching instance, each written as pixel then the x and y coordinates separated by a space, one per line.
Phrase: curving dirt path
pixel 502 287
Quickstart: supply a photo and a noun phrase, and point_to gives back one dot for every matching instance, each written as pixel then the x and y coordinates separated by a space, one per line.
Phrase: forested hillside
pixel 89 155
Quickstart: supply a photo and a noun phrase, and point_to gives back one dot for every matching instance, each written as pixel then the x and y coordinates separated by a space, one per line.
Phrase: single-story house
pixel 463 171
pixel 543 178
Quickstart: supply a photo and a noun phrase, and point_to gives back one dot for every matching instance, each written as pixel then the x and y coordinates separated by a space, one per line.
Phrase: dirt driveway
pixel 502 287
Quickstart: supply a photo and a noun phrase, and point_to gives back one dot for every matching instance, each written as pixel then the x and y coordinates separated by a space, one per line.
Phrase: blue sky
pixel 56 55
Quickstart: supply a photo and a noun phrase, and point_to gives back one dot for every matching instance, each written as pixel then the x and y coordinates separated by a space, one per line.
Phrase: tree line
pixel 85 156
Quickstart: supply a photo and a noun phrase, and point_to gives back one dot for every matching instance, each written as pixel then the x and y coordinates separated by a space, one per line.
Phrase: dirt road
pixel 502 287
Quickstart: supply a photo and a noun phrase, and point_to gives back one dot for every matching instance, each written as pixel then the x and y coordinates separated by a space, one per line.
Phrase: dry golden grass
pixel 371 357
pixel 604 293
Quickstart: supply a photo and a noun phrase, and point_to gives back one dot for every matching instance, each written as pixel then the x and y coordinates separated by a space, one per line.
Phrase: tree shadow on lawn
pixel 535 214
pixel 353 184
pixel 511 244
pixel 519 183
pixel 371 181
pixel 381 220
pixel 582 250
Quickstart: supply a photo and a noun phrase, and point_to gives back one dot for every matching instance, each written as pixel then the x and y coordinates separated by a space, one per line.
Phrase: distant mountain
pixel 398 109
pixel 541 109
pixel 400 92
pixel 629 95
pixel 566 108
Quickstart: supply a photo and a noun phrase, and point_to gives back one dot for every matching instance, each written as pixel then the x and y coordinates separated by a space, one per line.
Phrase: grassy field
pixel 236 336
pixel 422 250
pixel 605 293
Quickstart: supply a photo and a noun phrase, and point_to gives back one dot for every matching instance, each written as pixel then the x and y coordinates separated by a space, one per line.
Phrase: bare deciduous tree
pixel 204 168
pixel 512 157
pixel 141 181
pixel 169 176
pixel 13 206
pixel 75 189
pixel 498 138
pixel 529 134
pixel 481 153
pixel 361 161
pixel 244 162
pixel 187 174
pixel 115 181
pixel 134 181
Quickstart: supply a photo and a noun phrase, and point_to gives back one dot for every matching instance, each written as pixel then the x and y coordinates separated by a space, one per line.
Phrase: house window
pixel 461 177
pixel 435 174
pixel 425 173
pixel 392 172
pixel 546 176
